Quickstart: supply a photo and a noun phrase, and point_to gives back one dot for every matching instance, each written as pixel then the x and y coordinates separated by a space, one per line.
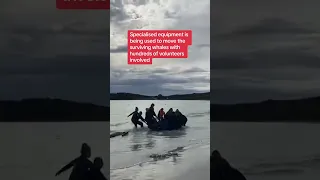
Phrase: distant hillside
pixel 46 110
pixel 129 96
pixel 301 110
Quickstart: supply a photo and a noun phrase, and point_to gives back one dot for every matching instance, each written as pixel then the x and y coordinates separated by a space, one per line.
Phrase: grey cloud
pixel 60 65
pixel 45 52
pixel 29 38
pixel 172 78
pixel 158 80
pixel 120 49
pixel 118 13
pixel 262 84
pixel 120 72
pixel 269 26
pixel 266 60
pixel 264 50
pixel 194 70
pixel 203 45
pixel 77 28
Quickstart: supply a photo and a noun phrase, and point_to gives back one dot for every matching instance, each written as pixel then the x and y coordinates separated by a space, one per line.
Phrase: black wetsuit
pixel 171 118
pixel 81 167
pixel 175 122
pixel 167 116
pixel 135 118
pixel 151 109
pixel 139 117
pixel 150 118
pixel 96 174
pixel 182 119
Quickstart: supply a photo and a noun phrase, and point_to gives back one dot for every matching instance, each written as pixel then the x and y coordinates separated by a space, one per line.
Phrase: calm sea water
pixel 130 155
pixel 270 151
pixel 36 151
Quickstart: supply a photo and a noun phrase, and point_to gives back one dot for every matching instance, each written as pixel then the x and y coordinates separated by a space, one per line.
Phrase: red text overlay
pixel 83 4
pixel 144 45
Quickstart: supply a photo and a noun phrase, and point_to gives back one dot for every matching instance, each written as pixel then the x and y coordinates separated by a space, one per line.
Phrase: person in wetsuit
pixel 181 118
pixel 151 109
pixel 175 121
pixel 135 117
pixel 169 114
pixel 150 114
pixel 146 114
pixel 140 118
pixel 161 114
pixel 95 172
pixel 170 118
pixel 81 165
pixel 135 112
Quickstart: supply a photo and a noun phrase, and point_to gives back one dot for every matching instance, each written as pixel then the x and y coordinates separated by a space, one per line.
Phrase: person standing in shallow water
pixel 150 117
pixel 135 112
pixel 137 122
pixel 152 113
pixel 135 117
pixel 81 165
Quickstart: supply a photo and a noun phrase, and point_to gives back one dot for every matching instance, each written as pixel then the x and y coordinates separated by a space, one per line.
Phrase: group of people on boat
pixel 83 168
pixel 161 121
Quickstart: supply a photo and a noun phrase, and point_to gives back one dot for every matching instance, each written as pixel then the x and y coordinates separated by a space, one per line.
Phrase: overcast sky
pixel 47 52
pixel 264 50
pixel 165 76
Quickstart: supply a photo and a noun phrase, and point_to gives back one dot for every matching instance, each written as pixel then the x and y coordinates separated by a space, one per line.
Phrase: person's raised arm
pixel 130 114
pixel 66 167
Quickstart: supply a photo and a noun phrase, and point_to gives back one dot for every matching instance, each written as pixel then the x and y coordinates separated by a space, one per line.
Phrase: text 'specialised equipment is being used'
pixel 144 45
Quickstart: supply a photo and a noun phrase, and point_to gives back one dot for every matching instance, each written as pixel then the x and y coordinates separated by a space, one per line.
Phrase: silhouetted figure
pixel 135 112
pixel 136 121
pixel 135 117
pixel 150 114
pixel 181 118
pixel 220 169
pixel 171 119
pixel 81 165
pixel 146 114
pixel 152 109
pixel 169 114
pixel 95 172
